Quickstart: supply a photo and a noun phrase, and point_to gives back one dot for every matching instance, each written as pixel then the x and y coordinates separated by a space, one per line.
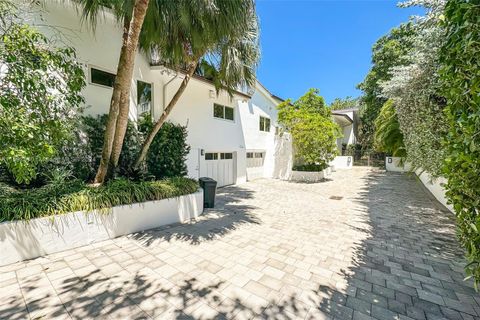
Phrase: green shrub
pixel 168 151
pixel 311 167
pixel 388 136
pixel 313 131
pixel 62 196
pixel 39 96
pixel 460 76
pixel 166 157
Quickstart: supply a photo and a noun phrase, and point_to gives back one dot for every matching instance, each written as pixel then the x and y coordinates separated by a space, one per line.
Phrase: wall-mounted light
pixel 212 94
pixel 202 152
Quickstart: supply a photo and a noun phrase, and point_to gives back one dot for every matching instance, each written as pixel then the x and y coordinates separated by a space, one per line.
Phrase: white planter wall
pixel 21 240
pixel 308 176
pixel 434 185
pixel 342 162
pixel 394 164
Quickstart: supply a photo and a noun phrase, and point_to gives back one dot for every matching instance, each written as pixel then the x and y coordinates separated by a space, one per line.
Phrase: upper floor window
pixel 264 124
pixel 101 77
pixel 144 96
pixel 223 112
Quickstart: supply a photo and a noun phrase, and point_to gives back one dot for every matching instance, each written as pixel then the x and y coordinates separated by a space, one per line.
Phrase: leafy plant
pixel 460 57
pixel 388 136
pixel 313 131
pixel 39 96
pixel 345 103
pixel 75 195
pixel 389 51
pixel 415 90
pixel 168 152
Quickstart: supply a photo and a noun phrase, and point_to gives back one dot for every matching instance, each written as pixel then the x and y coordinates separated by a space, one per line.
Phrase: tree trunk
pixel 118 116
pixel 156 127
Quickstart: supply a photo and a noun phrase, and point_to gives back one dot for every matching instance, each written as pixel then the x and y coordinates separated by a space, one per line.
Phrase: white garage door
pixel 219 166
pixel 255 161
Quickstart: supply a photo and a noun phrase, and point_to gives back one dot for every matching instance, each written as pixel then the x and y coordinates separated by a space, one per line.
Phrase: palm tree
pixel 132 14
pixel 388 136
pixel 181 33
pixel 224 31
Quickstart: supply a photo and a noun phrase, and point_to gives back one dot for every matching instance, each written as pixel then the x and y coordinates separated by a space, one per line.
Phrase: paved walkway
pixel 365 244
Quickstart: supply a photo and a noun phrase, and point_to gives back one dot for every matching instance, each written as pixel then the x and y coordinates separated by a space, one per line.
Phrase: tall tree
pixel 389 51
pixel 345 103
pixel 131 14
pixel 226 31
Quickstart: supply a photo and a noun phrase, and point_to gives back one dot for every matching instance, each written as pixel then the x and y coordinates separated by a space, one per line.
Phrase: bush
pixel 460 76
pixel 388 136
pixel 39 96
pixel 313 131
pixel 166 157
pixel 62 196
pixel 168 151
pixel 311 167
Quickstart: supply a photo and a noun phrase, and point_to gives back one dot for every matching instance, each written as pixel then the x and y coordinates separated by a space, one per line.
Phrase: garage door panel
pixel 220 167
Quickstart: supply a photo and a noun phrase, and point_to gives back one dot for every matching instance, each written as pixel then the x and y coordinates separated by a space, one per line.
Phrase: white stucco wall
pixel 261 104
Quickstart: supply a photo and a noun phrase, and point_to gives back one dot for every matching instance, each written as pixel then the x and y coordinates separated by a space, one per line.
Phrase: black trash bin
pixel 209 187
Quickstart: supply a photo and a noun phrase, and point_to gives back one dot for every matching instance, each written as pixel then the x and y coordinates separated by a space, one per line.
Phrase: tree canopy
pixel 313 131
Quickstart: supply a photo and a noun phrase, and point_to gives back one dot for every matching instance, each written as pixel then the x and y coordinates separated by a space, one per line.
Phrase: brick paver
pixel 380 248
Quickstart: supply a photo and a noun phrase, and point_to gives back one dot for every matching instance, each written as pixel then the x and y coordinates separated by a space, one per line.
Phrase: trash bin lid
pixel 206 179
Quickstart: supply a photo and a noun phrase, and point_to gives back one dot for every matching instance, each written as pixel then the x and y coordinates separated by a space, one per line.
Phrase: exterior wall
pixel 261 104
pixel 342 162
pixel 30 239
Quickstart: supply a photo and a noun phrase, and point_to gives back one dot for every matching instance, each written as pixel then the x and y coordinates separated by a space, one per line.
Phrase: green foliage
pixel 388 136
pixel 313 131
pixel 461 85
pixel 39 96
pixel 415 90
pixel 168 152
pixel 345 103
pixel 63 196
pixel 166 157
pixel 389 51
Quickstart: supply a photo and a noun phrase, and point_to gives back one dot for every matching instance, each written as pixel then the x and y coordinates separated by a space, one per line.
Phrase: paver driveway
pixel 366 243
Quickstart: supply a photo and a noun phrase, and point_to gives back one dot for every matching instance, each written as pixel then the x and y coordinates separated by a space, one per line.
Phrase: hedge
pixel 461 82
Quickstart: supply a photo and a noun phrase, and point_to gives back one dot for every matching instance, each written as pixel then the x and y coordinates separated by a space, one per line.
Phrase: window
pixel 226 156
pixel 223 112
pixel 264 124
pixel 144 96
pixel 101 77
pixel 211 156
pixel 249 155
pixel 258 154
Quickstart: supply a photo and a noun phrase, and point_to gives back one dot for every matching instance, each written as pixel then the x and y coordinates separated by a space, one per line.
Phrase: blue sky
pixel 324 44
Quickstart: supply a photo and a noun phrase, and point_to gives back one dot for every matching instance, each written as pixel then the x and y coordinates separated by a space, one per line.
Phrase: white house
pixel 347 119
pixel 232 139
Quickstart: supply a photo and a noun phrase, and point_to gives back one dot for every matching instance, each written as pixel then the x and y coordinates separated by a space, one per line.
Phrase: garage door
pixel 219 166
pixel 255 161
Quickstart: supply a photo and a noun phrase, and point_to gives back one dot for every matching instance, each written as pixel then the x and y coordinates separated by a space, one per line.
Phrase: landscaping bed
pixel 72 196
